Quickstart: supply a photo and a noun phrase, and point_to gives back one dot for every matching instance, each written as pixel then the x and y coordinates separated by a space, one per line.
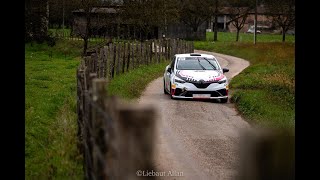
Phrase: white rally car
pixel 195 76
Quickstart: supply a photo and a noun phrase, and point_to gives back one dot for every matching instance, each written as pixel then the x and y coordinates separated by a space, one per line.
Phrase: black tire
pixel 164 88
pixel 224 100
pixel 170 92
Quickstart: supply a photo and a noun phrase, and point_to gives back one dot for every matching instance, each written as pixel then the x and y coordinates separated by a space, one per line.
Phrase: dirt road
pixel 196 139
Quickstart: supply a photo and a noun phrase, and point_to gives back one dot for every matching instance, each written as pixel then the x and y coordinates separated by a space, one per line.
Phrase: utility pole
pixel 63 17
pixel 215 35
pixel 255 23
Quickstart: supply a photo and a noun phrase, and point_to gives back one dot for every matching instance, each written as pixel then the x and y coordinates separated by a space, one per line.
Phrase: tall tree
pixel 61 12
pixel 282 13
pixel 238 13
pixel 195 12
pixel 36 20
pixel 148 14
pixel 88 7
pixel 218 4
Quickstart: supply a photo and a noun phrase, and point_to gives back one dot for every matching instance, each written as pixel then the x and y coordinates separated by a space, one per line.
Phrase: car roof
pixel 195 55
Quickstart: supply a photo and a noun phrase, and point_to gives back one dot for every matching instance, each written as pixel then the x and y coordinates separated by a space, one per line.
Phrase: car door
pixel 168 74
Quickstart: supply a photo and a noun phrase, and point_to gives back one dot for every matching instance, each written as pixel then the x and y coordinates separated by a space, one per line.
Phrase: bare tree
pixel 88 7
pixel 146 15
pixel 140 14
pixel 238 12
pixel 61 12
pixel 195 12
pixel 217 5
pixel 282 13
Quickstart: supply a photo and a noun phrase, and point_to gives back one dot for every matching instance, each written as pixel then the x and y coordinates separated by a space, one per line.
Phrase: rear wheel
pixel 224 100
pixel 164 87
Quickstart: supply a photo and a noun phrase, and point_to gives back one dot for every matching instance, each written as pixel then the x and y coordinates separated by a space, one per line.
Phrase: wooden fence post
pixel 128 56
pixel 80 107
pixel 100 63
pixel 135 133
pixel 105 62
pixel 124 57
pixel 192 47
pixel 114 59
pixel 142 53
pixel 267 154
pixel 138 60
pixel 174 45
pixel 167 49
pixel 161 49
pixel 118 59
pixel 150 52
pixel 87 143
pixel 133 53
pixel 99 128
pixel 146 51
pixel 156 50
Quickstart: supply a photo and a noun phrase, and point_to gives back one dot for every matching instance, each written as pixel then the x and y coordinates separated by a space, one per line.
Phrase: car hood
pixel 197 75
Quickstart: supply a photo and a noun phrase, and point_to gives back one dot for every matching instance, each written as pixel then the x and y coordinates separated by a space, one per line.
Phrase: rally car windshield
pixel 196 63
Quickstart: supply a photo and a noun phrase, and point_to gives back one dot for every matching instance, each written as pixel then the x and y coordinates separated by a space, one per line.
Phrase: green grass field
pixel 51 120
pixel 247 37
pixel 50 111
pixel 265 91
pixel 123 87
pixel 61 31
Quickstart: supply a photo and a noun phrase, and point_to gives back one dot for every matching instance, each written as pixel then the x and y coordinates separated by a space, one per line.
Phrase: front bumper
pixel 187 91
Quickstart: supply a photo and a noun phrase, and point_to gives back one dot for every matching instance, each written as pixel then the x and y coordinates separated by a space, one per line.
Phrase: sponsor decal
pixel 181 74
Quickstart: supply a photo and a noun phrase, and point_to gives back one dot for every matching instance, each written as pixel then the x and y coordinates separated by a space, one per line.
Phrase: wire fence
pixel 115 138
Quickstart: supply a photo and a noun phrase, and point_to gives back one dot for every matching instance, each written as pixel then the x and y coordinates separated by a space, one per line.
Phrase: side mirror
pixel 169 70
pixel 224 70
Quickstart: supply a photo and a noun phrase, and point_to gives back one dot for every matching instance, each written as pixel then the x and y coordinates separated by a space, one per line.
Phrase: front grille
pixel 201 85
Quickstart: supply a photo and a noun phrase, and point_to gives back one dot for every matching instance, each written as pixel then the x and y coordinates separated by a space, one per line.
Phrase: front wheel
pixel 224 100
pixel 171 91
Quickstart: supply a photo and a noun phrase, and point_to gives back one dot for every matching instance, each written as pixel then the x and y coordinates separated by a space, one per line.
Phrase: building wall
pixel 109 25
pixel 262 20
pixel 182 31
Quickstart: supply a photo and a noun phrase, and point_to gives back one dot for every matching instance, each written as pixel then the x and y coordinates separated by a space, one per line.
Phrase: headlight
pixel 222 81
pixel 178 80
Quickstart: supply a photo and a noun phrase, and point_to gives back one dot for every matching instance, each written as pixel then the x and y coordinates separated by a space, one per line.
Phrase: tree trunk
pixel 237 38
pixel 283 35
pixel 215 35
pixel 85 46
pixel 194 33
pixel 195 36
pixel 87 34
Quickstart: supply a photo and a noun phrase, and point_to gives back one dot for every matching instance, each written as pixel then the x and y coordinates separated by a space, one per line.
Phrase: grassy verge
pixel 50 110
pixel 51 125
pixel 130 85
pixel 264 92
pixel 247 37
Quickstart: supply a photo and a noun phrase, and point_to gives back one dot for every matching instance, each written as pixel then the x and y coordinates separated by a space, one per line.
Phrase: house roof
pixel 228 10
pixel 101 10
